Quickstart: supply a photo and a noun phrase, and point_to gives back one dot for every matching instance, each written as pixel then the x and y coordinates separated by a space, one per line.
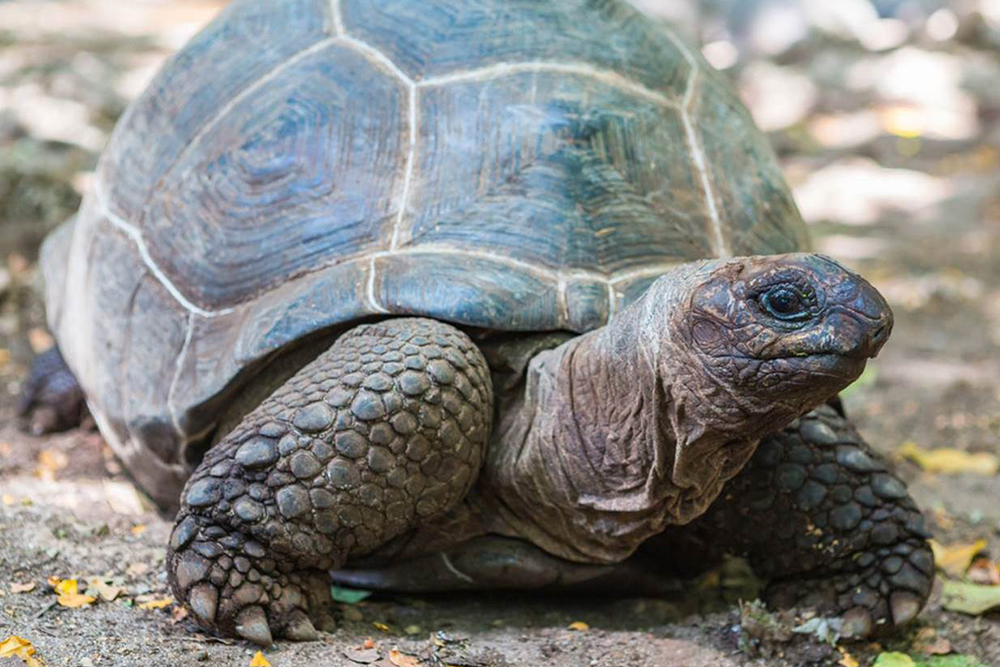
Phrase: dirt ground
pixel 887 118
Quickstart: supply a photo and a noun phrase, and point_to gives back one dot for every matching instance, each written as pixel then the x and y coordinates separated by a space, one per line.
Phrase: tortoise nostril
pixel 878 337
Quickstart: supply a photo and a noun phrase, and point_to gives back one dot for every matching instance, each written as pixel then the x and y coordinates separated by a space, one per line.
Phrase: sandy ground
pixel 892 151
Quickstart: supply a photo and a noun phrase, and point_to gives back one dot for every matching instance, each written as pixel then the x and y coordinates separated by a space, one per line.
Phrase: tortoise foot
pixel 233 588
pixel 887 589
pixel 51 400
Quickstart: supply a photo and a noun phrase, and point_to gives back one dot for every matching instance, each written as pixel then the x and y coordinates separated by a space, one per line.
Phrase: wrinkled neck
pixel 593 459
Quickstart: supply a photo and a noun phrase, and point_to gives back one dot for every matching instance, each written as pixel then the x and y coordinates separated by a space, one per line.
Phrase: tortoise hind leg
pixel 819 515
pixel 382 431
pixel 51 400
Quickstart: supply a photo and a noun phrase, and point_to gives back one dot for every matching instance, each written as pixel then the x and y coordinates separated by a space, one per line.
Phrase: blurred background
pixel 885 114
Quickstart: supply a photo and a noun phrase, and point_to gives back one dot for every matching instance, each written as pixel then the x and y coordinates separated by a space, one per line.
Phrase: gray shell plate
pixel 504 164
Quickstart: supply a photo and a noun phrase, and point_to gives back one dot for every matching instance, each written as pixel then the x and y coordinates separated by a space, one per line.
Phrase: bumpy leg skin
pixel 819 515
pixel 384 430
pixel 51 400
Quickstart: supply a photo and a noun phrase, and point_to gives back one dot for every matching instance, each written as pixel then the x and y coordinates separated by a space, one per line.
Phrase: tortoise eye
pixel 786 303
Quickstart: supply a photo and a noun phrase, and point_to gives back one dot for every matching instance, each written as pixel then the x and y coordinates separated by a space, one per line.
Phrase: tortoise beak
pixel 858 313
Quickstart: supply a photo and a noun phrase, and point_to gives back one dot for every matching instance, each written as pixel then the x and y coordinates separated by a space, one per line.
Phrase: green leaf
pixel 894 660
pixel 348 595
pixel 972 599
pixel 951 661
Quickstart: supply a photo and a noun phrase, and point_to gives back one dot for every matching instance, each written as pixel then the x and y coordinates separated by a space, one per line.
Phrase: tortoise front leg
pixel 384 430
pixel 818 514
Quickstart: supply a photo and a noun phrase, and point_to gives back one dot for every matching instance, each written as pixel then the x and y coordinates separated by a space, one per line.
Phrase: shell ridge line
pixel 697 150
pixel 372 301
pixel 338 18
pixel 136 236
pixel 607 76
pixel 178 366
pixel 436 249
pixel 411 158
pixel 562 303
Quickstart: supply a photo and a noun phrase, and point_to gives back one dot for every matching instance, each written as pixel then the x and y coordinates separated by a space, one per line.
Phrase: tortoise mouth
pixel 830 364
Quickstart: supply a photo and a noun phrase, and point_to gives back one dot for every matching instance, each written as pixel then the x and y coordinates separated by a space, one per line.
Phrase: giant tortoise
pixel 457 294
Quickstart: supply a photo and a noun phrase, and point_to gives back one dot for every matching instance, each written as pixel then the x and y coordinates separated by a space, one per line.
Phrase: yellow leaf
pixel 138 529
pixel 949 460
pixel 7 499
pixel 579 625
pixel 157 604
pixel 75 600
pixel 259 660
pixel 16 647
pixel 381 626
pixel 67 586
pixel 22 588
pixel 847 660
pixel 70 596
pixel 955 559
pixel 402 660
pixel 52 581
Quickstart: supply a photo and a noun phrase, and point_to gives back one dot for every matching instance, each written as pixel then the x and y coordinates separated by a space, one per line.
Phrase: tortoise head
pixel 796 328
pixel 754 342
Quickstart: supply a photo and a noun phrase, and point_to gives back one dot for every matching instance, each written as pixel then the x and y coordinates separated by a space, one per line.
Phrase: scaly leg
pixel 382 431
pixel 819 515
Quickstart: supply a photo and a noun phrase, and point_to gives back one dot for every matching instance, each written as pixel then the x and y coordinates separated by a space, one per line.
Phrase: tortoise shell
pixel 509 165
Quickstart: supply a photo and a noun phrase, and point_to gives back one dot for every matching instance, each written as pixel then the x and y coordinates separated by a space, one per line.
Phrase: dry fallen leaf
pixel 954 559
pixel 381 626
pixel 17 647
pixel 49 463
pixel 929 642
pixel 70 595
pixel 365 656
pixel 106 591
pixel 178 614
pixel 948 460
pixel 40 340
pixel 984 571
pixel 579 625
pixel 22 588
pixel 138 529
pixel 259 660
pixel 157 604
pixel 123 498
pixel 136 569
pixel 402 660
pixel 7 499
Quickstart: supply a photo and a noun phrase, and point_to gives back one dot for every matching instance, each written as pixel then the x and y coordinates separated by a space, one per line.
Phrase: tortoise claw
pixel 857 624
pixel 251 624
pixel 904 606
pixel 300 628
pixel 204 602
